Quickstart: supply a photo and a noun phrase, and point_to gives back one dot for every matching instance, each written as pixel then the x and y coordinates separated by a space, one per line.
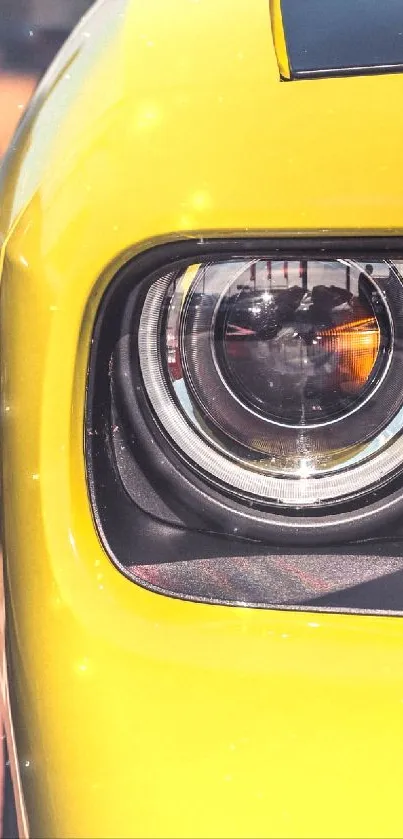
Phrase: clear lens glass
pixel 300 356
pixel 264 373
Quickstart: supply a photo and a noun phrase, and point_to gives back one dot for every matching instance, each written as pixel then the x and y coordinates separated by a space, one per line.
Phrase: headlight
pixel 245 390
pixel 283 390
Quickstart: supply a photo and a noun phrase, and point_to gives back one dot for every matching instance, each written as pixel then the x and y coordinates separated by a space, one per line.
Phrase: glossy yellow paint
pixel 137 715
pixel 279 39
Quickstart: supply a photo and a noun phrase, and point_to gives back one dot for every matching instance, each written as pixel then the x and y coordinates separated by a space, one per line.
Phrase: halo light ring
pixel 289 491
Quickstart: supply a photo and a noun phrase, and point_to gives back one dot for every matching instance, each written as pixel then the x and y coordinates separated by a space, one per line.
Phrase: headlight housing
pixel 250 389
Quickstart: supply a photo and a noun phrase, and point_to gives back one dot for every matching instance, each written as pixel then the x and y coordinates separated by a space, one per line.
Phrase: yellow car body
pixel 137 714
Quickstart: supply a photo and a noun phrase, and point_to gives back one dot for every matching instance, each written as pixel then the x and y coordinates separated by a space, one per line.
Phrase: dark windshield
pixel 327 37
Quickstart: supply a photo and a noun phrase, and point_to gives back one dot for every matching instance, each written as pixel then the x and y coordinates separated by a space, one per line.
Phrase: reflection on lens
pixel 298 355
pixel 356 345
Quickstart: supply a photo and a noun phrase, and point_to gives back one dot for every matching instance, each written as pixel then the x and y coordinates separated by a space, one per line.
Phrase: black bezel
pixel 138 517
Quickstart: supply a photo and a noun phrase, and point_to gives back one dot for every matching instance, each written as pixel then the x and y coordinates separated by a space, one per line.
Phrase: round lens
pixel 280 380
pixel 300 356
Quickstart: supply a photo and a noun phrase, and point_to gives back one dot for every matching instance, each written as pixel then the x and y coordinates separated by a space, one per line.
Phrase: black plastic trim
pixel 343 37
